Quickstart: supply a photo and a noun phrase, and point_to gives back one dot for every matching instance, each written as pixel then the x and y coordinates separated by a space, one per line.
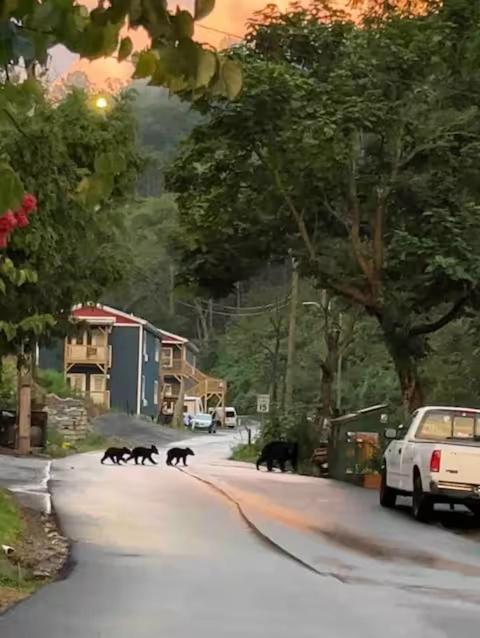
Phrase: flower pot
pixel 371 481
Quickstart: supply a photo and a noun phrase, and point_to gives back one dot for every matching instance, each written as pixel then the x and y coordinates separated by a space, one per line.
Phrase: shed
pixel 355 439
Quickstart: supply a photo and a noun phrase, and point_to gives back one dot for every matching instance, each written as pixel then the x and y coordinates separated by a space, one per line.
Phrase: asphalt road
pixel 159 552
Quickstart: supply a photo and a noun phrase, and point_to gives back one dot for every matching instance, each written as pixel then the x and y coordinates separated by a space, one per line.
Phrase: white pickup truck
pixel 435 459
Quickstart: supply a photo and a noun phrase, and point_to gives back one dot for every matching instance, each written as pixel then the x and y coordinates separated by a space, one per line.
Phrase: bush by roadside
pixel 58 447
pixel 53 382
pixel 246 453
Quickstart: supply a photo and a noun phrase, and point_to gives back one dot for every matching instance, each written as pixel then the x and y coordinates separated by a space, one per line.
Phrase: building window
pixel 144 398
pixel 167 389
pixel 155 393
pixel 167 357
pixel 145 352
pixel 157 350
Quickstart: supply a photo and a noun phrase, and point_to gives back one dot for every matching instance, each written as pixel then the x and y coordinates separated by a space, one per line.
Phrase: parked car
pixel 435 459
pixel 231 418
pixel 203 421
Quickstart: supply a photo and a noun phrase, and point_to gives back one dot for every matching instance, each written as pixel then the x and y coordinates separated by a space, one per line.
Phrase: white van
pixel 231 417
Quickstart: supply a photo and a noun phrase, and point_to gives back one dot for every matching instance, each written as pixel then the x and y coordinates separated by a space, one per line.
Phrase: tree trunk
pixel 24 370
pixel 405 352
pixel 326 389
pixel 292 329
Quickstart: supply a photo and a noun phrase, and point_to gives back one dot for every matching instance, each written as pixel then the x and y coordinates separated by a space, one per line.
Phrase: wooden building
pixel 182 378
pixel 113 358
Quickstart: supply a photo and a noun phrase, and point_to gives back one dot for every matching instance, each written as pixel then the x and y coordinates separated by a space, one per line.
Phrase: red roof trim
pixel 94 311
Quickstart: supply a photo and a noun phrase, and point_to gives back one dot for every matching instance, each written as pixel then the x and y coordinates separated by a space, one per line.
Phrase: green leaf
pixel 11 188
pixel 203 8
pixel 207 67
pixel 8 329
pixel 126 48
pixel 231 73
pixel 146 65
pixel 110 163
pixel 3 287
pixel 184 24
pixel 93 190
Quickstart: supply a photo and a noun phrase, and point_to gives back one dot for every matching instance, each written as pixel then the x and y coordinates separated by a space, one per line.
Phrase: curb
pixel 265 538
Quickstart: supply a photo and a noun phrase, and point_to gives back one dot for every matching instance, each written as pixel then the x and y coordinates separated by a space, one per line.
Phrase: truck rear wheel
pixel 387 495
pixel 422 505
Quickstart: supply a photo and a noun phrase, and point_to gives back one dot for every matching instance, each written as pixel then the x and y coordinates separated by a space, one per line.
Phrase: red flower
pixel 29 203
pixel 22 219
pixel 8 221
pixel 3 239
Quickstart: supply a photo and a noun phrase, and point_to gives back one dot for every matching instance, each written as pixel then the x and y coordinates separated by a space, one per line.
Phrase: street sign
pixel 263 403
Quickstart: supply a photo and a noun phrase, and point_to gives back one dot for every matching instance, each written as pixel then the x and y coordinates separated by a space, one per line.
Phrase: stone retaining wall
pixel 68 416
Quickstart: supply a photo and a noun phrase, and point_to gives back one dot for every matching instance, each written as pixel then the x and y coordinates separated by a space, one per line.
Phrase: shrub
pixel 54 382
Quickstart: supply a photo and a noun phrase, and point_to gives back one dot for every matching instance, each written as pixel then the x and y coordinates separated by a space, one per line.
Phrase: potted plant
pixel 371 472
pixel 371 478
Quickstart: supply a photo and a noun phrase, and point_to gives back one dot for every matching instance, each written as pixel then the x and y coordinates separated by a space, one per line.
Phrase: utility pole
pixel 210 315
pixel 171 296
pixel 238 295
pixel 292 330
pixel 24 423
pixel 339 367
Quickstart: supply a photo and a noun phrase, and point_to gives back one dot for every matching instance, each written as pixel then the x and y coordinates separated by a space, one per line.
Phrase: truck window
pixel 447 425
pixel 463 427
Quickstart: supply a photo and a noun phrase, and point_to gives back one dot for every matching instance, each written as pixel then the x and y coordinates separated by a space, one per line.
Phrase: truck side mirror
pixel 390 433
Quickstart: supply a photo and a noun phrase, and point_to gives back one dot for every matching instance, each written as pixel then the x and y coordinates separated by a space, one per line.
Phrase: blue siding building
pixel 113 358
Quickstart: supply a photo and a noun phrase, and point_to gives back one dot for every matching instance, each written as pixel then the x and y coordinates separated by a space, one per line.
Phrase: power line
pixel 235 315
pixel 231 35
pixel 245 308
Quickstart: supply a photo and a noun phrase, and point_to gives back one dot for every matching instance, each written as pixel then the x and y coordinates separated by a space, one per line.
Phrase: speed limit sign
pixel 263 403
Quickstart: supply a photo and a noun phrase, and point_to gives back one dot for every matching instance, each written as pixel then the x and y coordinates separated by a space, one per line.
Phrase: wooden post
pixel 178 411
pixel 292 328
pixel 24 369
pixel 171 292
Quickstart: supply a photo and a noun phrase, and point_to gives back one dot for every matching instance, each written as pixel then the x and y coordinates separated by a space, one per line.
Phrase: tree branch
pixel 428 328
pixel 354 212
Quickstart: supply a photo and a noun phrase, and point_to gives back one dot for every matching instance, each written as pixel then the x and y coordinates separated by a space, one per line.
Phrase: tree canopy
pixel 75 247
pixel 354 147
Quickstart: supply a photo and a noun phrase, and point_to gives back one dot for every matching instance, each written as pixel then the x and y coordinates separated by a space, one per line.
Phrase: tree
pixel 354 147
pixel 75 248
pixel 30 28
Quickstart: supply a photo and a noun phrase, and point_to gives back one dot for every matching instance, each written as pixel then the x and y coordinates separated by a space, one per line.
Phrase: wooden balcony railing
pixel 204 384
pixel 79 353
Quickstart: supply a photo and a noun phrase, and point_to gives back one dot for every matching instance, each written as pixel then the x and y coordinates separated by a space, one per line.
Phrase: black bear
pixel 179 453
pixel 115 454
pixel 280 452
pixel 143 453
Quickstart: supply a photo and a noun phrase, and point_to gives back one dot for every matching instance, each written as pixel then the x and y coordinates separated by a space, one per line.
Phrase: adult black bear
pixel 179 453
pixel 280 452
pixel 115 454
pixel 143 453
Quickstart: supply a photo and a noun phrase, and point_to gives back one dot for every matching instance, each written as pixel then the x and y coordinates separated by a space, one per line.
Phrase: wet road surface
pixel 159 553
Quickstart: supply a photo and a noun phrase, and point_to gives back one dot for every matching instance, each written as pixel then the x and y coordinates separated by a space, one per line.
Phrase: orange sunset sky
pixel 229 16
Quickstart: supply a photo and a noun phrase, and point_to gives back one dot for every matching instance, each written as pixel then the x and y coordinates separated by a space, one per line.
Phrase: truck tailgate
pixel 460 464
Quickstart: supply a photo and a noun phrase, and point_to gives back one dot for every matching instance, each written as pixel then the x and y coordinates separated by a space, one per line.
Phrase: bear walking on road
pixel 179 453
pixel 279 452
pixel 143 453
pixel 115 454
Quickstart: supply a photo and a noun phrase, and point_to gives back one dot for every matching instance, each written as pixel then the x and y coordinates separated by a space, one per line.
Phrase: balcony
pixel 181 368
pixel 83 354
